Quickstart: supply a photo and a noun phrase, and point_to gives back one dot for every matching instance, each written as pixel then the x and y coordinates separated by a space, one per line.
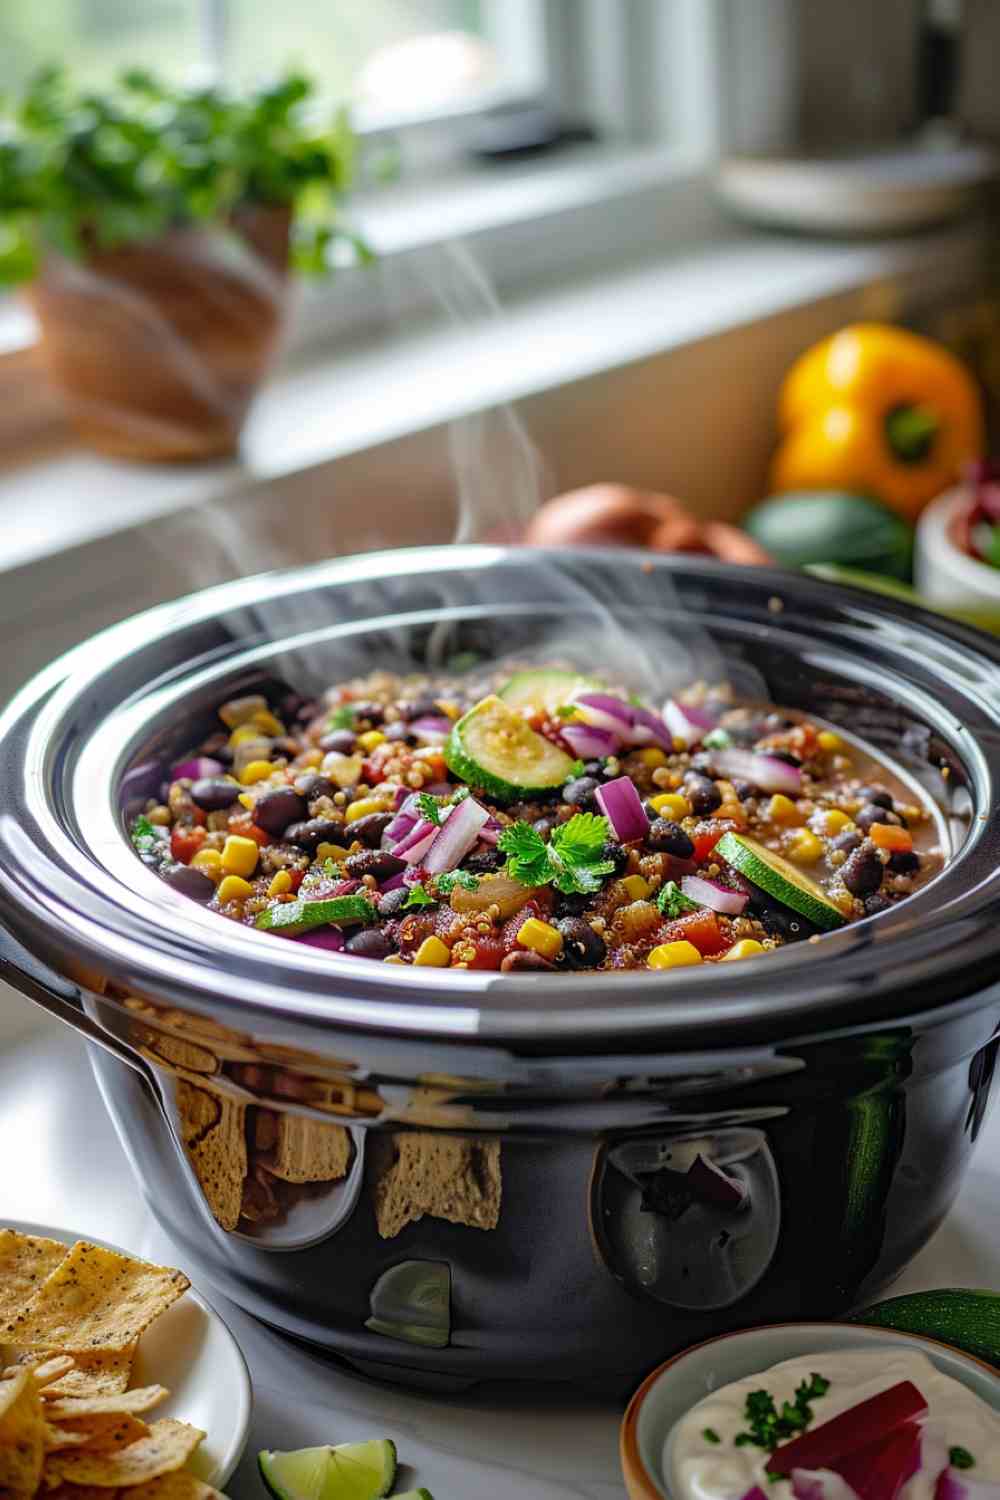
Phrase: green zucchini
pixel 830 526
pixel 292 918
pixel 963 1317
pixel 546 689
pixel 773 874
pixel 495 750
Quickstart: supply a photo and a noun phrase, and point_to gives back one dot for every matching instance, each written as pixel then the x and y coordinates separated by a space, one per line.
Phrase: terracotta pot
pixel 158 348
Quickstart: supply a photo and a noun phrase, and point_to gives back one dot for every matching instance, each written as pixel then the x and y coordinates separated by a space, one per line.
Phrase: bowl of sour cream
pixel 815 1411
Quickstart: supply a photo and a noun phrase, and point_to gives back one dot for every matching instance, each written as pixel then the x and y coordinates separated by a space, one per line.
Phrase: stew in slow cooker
pixel 538 821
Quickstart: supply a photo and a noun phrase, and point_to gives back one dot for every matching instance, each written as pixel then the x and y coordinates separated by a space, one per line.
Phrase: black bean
pixel 377 862
pixel 592 768
pixel 572 904
pixel 862 871
pixel 703 794
pixel 485 862
pixel 341 740
pixel 879 795
pixel 788 756
pixel 870 814
pixel 373 712
pixel 275 810
pixel 580 791
pixel 422 708
pixel 876 903
pixel 369 829
pixel 212 794
pixel 311 833
pixel 524 959
pixel 904 862
pixel 618 856
pixel 193 883
pixel 312 785
pixel 583 948
pixel 371 942
pixel 848 841
pixel 745 790
pixel 778 921
pixel 666 837
pixel 391 903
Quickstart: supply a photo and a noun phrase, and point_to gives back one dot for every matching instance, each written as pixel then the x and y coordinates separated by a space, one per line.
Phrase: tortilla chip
pixel 99 1434
pixel 100 1372
pixel 310 1150
pixel 45 1368
pixel 25 1262
pixel 96 1299
pixel 56 1490
pixel 180 1485
pixel 167 1446
pixel 213 1133
pixel 74 1408
pixel 22 1434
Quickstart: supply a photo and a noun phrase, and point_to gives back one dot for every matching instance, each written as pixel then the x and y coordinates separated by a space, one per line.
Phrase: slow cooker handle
pixel 22 971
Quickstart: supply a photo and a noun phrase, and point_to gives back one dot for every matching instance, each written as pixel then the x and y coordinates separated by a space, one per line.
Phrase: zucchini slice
pixel 546 689
pixel 779 879
pixel 495 750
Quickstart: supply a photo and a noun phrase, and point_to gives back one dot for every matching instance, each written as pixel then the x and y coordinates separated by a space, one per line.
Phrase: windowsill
pixel 318 408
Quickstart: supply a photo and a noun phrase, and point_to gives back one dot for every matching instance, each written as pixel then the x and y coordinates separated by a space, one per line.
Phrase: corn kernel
pixel 241 734
pixel 834 821
pixel 332 851
pixel 281 884
pixel 241 710
pixel 745 948
pixel 257 770
pixel 343 770
pixel 160 816
pixel 674 956
pixel 827 740
pixel 391 958
pixel 638 889
pixel 209 862
pixel 449 709
pixel 540 937
pixel 804 847
pixel 363 807
pixel 268 724
pixel 782 809
pixel 653 757
pixel 239 855
pixel 234 889
pixel 246 800
pixel 370 739
pixel 434 953
pixel 671 805
pixel 888 836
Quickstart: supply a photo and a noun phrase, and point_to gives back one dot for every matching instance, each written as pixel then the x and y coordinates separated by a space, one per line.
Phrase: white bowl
pixel 946 576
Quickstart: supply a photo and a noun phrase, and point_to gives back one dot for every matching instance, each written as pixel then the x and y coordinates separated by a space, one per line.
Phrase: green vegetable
pixel 294 917
pixel 351 1471
pixel 769 1427
pixel 572 860
pixel 419 896
pixel 821 526
pixel 717 739
pixel 710 1435
pixel 144 836
pixel 430 808
pixel 494 749
pixel 546 690
pixel 81 170
pixel 446 883
pixel 779 878
pixel 672 901
pixel 342 717
pixel 961 1458
pixel 965 1318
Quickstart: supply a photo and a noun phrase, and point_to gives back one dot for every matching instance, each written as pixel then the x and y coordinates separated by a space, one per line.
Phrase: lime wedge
pixel 351 1471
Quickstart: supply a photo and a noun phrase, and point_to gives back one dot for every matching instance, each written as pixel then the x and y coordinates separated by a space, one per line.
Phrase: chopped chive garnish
pixel 710 1435
pixel 961 1458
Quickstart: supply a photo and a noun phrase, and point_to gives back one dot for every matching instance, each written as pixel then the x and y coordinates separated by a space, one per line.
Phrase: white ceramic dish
pixel 675 1387
pixel 192 1352
pixel 944 574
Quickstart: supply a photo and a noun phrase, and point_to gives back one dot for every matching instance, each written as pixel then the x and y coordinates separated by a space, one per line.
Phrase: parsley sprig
pixel 573 859
pixel 672 901
pixel 769 1428
pixel 342 717
pixel 145 839
pixel 441 886
pixel 419 896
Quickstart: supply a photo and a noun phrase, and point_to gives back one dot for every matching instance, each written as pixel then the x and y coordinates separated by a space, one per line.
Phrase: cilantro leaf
pixel 419 896
pixel 446 883
pixel 342 717
pixel 145 839
pixel 672 901
pixel 573 860
pixel 527 854
pixel 430 808
pixel 575 770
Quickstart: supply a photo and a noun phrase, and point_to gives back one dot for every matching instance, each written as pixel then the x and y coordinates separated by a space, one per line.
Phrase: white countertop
pixel 62 1165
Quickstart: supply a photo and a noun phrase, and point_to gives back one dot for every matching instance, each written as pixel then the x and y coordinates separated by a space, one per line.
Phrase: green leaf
pixel 573 860
pixel 672 901
pixel 717 739
pixel 419 896
pixel 342 717
pixel 445 884
pixel 575 770
pixel 430 808
pixel 961 1458
pixel 144 836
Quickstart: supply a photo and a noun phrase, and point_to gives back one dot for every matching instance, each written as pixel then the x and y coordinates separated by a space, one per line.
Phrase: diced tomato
pixel 489 949
pixel 707 834
pixel 296 877
pixel 372 772
pixel 701 928
pixel 243 824
pixel 185 842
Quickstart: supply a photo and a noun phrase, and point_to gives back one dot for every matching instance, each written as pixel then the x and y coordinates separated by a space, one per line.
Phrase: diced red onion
pixel 713 895
pixel 688 723
pixel 820 1484
pixel 330 938
pixel 879 1471
pixel 769 772
pixel 431 730
pixel 589 742
pixel 490 832
pixel 414 875
pixel 440 788
pixel 417 848
pixel 952 1485
pixel 821 1447
pixel 622 806
pixel 755 1494
pixel 406 819
pixel 604 711
pixel 401 796
pixel 196 768
pixel 456 836
pixel 393 883
pixel 710 1184
pixel 648 728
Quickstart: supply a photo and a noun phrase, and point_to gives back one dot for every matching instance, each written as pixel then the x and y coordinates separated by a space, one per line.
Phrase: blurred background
pixel 321 277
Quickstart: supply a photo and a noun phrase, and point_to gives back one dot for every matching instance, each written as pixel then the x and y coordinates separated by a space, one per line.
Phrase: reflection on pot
pixel 692 1221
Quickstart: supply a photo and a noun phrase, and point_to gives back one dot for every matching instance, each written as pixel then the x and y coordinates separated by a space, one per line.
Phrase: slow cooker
pixel 487 1175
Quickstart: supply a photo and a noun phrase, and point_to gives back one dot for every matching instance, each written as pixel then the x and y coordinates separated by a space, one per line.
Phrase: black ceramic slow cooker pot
pixel 445 1176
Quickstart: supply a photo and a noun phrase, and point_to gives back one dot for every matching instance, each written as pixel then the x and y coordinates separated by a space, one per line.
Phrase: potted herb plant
pixel 153 228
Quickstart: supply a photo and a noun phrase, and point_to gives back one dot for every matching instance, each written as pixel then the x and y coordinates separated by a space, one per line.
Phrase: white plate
pixel 191 1351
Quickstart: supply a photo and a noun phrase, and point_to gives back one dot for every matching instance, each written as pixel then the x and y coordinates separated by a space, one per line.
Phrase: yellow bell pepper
pixel 876 410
